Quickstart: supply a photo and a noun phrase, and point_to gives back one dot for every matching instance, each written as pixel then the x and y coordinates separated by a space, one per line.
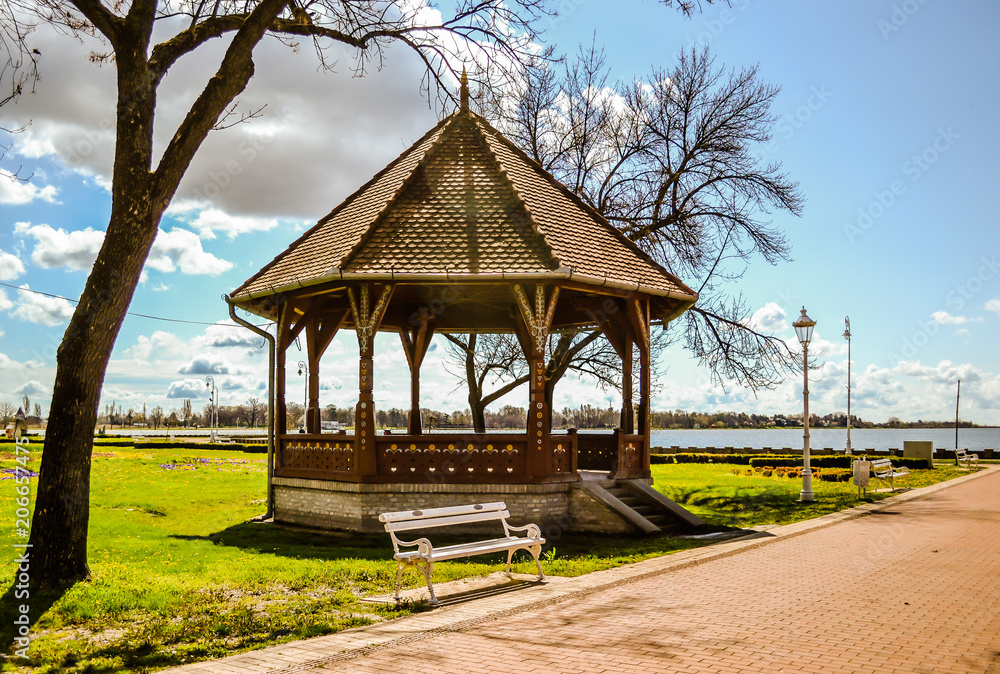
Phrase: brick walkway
pixel 909 585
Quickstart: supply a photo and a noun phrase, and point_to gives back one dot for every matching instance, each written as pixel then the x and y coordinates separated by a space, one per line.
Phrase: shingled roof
pixel 464 202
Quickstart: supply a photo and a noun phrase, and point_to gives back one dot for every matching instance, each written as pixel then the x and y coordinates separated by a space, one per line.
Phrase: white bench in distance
pixel 884 470
pixel 967 458
pixel 425 554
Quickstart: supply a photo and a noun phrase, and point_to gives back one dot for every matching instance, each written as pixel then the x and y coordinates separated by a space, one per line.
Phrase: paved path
pixel 907 585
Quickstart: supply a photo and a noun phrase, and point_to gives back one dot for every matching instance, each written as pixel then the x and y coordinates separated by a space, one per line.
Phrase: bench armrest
pixel 531 530
pixel 424 546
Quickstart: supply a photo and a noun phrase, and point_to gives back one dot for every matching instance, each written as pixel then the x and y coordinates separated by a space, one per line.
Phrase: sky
pixel 887 120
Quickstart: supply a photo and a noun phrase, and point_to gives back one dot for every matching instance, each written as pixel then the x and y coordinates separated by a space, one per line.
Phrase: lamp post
pixel 304 369
pixel 847 336
pixel 803 330
pixel 213 415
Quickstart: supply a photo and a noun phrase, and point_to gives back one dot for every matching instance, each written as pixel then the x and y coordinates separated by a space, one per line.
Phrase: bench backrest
pixel 406 520
pixel 879 465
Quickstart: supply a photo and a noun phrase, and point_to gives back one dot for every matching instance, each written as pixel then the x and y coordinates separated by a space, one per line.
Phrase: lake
pixel 879 439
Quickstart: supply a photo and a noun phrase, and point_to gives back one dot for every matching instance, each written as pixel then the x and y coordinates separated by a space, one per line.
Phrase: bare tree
pixel 253 409
pixel 186 412
pixel 671 163
pixel 486 359
pixel 7 412
pixel 26 405
pixel 156 416
pixel 497 33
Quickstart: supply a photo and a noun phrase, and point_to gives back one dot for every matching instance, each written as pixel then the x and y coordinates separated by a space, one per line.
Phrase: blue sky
pixel 887 121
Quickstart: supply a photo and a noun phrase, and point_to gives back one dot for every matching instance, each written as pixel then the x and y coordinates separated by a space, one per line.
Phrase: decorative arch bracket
pixel 540 320
pixel 366 322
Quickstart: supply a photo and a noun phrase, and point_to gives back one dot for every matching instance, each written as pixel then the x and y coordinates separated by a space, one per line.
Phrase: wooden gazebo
pixel 461 233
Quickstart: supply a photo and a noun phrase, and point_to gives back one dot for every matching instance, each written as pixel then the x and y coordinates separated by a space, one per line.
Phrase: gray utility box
pixel 919 449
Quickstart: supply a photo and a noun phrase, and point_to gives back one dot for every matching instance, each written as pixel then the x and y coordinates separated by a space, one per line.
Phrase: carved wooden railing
pixel 564 452
pixel 316 456
pixel 596 451
pixel 633 460
pixel 452 458
pixel 429 458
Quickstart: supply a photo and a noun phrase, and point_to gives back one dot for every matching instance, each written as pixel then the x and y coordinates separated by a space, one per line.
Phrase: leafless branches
pixel 670 161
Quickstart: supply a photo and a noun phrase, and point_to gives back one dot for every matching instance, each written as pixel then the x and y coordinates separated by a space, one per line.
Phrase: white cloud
pixel 944 318
pixel 993 305
pixel 202 364
pixel 228 334
pixel 962 332
pixel 10 266
pixel 32 388
pixel 161 287
pixel 320 137
pixel 181 249
pixel 5 302
pixel 15 192
pixel 770 318
pixel 58 248
pixel 158 346
pixel 213 220
pixel 40 309
pixel 187 388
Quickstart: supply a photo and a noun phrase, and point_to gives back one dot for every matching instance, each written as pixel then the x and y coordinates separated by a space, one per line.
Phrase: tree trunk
pixel 62 503
pixel 478 414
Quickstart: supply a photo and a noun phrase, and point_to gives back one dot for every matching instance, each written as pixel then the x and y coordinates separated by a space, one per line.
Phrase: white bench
pixel 425 554
pixel 965 457
pixel 884 471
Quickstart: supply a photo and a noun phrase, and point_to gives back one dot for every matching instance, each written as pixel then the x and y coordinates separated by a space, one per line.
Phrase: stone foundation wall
pixel 589 515
pixel 555 508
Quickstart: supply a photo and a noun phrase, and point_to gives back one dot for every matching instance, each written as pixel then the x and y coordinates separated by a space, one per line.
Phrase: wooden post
pixel 319 335
pixel 282 341
pixel 533 332
pixel 628 413
pixel 415 347
pixel 639 317
pixel 366 324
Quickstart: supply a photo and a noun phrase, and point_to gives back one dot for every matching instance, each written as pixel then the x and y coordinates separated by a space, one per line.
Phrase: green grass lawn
pixel 722 498
pixel 179 575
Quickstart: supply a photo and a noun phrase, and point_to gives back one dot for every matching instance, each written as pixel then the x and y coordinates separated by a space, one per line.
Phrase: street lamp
pixel 304 368
pixel 847 336
pixel 213 414
pixel 804 330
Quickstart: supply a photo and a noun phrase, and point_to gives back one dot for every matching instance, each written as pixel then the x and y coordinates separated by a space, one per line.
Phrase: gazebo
pixel 463 233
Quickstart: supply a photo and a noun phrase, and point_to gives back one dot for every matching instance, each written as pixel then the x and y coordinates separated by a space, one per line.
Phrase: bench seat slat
pixel 446 521
pixel 471 549
pixel 403 515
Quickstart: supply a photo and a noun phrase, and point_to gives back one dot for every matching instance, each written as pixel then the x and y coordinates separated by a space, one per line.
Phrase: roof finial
pixel 464 92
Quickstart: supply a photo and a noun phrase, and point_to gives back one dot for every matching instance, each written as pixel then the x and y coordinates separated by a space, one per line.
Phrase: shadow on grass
pixel 10 612
pixel 285 541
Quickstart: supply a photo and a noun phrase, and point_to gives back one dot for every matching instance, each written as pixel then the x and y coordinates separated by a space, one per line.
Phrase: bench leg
pixel 536 550
pixel 428 568
pixel 399 578
pixel 510 556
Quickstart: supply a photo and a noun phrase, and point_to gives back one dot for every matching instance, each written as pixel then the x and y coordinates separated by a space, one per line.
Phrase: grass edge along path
pixel 179 576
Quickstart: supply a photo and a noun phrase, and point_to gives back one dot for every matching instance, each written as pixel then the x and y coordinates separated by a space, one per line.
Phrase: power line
pixel 129 313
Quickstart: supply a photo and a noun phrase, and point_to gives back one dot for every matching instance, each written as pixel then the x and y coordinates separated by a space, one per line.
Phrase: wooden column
pixel 281 344
pixel 533 332
pixel 415 345
pixel 320 331
pixel 366 324
pixel 638 310
pixel 618 330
